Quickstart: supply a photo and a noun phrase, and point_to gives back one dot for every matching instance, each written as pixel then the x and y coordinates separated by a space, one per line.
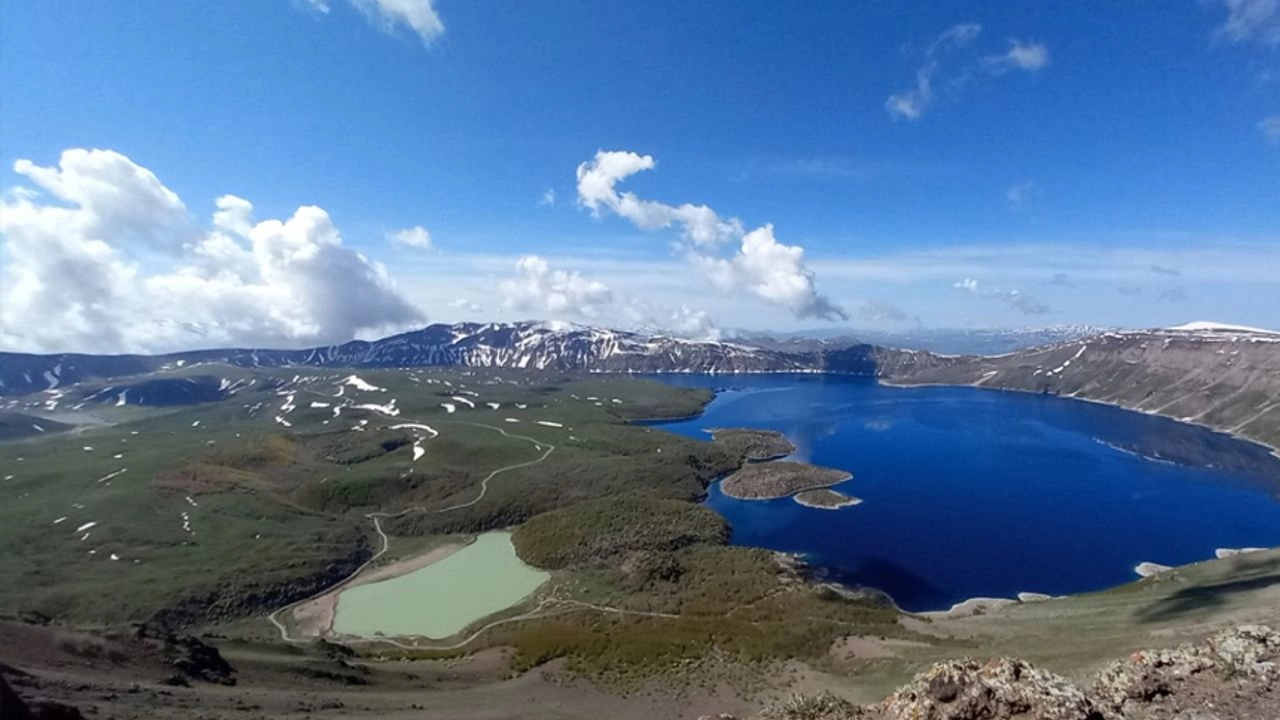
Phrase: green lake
pixel 441 599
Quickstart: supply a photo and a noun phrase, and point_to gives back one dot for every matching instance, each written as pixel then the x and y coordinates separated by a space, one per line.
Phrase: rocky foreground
pixel 1231 676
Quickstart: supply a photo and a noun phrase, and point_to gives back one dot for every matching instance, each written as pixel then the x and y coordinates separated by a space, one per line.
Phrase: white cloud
pixel 876 311
pixel 682 321
pixel 101 257
pixel 548 198
pixel 552 293
pixel 596 190
pixel 763 267
pixel 414 237
pixel 911 104
pixel 465 304
pixel 771 271
pixel 420 16
pixel 1270 129
pixel 1029 56
pixel 1015 299
pixel 1251 21
pixel 1019 194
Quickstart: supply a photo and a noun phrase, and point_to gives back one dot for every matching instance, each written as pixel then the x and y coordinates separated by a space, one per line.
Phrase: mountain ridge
pixel 1220 376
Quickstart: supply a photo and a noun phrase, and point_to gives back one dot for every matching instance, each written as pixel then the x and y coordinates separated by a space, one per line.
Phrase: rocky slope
pixel 1232 676
pixel 1228 379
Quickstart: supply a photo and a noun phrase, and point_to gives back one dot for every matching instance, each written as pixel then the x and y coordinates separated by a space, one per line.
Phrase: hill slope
pixel 1223 378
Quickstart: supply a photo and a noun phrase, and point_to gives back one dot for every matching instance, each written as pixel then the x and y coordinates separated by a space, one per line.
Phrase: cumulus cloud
pixel 548 198
pixel 414 237
pixel 1014 299
pixel 1270 129
pixel 762 266
pixel 770 270
pixel 100 256
pixel 597 181
pixel 1251 21
pixel 911 103
pixel 538 288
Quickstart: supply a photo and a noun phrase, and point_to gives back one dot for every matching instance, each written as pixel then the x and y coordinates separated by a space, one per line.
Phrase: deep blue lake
pixel 971 492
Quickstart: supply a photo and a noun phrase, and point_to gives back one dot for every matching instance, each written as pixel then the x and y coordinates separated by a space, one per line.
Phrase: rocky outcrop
pixel 13 707
pixel 1231 676
pixel 1001 689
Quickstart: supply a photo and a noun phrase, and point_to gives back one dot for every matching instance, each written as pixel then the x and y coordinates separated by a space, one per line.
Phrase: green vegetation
pixel 707 601
pixel 606 530
pixel 275 511
pixel 754 445
pixel 825 498
pixel 762 481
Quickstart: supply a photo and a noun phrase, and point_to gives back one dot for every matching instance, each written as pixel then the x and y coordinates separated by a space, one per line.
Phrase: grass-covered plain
pixel 224 509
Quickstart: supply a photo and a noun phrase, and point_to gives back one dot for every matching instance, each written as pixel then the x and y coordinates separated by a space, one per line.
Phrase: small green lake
pixel 441 599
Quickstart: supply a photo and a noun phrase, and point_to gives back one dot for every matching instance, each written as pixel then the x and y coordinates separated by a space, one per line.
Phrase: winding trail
pixel 376 518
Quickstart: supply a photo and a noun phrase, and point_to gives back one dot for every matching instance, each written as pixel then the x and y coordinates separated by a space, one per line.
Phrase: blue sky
pixel 1121 170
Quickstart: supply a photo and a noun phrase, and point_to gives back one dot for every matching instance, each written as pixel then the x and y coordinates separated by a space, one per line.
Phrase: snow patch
pixel 355 382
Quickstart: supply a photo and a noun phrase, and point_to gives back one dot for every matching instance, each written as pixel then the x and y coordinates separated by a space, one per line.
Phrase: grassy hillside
pixel 219 510
pixel 607 530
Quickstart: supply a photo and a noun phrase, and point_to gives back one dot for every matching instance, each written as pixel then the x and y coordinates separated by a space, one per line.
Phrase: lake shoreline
pixel 1273 450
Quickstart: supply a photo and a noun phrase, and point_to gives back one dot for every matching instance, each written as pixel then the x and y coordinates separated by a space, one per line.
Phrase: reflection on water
pixel 970 492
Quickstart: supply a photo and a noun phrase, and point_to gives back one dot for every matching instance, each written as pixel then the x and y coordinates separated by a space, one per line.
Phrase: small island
pixel 766 481
pixel 825 499
pixel 753 445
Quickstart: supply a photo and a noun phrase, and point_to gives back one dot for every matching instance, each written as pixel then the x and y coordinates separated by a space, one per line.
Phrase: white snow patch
pixel 418 452
pixel 315 404
pixel 108 476
pixel 120 398
pixel 415 426
pixel 1221 327
pixel 463 400
pixel 388 409
pixel 283 422
pixel 88 448
pixel 355 382
pixel 37 427
pixel 61 519
pixel 548 423
pixel 86 526
pixel 115 556
pixel 511 420
pixel 493 405
pixel 448 407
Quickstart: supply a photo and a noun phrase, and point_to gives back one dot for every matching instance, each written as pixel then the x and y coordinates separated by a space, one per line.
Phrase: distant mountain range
pixel 1225 377
pixel 949 341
